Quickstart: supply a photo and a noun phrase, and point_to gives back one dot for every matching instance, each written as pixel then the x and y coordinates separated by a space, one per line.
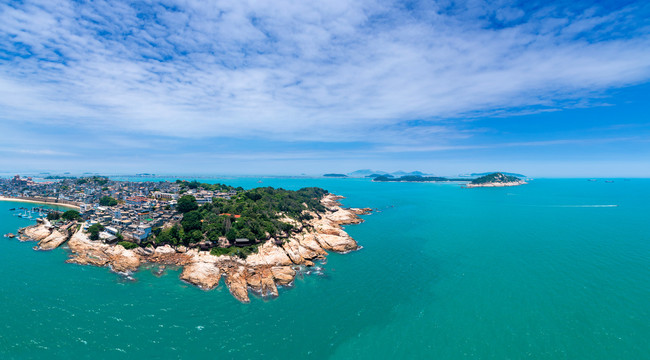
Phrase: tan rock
pixel 122 260
pixel 361 211
pixel 268 282
pixel 236 281
pixel 205 275
pixel 37 232
pixel 344 216
pixel 87 252
pixel 54 240
pixel 283 275
pixel 337 243
pixel 308 241
pixel 292 248
pixel 254 279
pixel 273 254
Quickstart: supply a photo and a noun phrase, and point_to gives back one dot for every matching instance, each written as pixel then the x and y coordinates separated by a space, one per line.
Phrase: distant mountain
pixel 415 178
pixel 368 173
pixel 412 173
pixel 335 175
pixel 365 173
pixel 376 175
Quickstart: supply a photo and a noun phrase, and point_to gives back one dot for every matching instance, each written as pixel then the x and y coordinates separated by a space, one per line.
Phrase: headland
pixel 256 240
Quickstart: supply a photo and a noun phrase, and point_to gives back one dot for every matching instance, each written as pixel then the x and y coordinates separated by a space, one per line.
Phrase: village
pixel 124 210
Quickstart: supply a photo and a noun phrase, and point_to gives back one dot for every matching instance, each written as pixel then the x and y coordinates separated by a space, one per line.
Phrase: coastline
pixel 277 262
pixel 496 184
pixel 45 202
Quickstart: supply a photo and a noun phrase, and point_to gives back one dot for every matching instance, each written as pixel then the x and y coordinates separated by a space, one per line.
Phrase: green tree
pixel 187 203
pixel 128 245
pixel 94 231
pixel 71 215
pixel 107 201
pixel 194 236
pixel 192 221
pixel 54 215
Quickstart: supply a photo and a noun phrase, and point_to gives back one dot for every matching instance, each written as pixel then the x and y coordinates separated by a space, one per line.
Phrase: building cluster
pixel 141 206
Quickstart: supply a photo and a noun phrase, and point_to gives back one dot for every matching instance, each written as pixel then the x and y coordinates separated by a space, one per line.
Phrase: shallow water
pixel 541 271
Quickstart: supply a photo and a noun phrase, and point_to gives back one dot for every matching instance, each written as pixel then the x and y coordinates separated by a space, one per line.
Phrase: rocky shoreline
pixel 272 266
pixel 496 184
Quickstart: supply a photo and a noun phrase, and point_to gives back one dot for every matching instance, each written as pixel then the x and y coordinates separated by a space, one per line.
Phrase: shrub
pixel 128 245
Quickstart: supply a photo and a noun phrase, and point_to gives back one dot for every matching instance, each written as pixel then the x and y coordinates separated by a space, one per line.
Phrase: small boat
pixel 592 180
pixel 12 209
pixel 609 181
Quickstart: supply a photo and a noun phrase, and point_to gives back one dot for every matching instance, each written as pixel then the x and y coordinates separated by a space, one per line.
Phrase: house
pixel 165 196
pixel 242 242
pixel 111 230
pixel 136 200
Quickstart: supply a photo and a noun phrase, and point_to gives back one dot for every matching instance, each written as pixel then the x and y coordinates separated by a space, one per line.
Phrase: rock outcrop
pixel 53 241
pixel 38 232
pixel 48 236
pixel 205 275
pixel 89 252
pixel 262 272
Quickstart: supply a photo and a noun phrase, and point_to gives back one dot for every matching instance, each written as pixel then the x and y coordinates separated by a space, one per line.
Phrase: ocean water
pixel 556 269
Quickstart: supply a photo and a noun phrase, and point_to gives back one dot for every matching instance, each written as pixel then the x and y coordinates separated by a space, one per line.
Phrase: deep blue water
pixel 541 271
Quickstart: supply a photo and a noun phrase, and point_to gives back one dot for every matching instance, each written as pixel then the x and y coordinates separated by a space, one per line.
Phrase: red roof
pixel 236 216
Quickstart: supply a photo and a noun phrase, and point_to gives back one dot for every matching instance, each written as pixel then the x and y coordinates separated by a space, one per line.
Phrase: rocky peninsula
pixel 273 264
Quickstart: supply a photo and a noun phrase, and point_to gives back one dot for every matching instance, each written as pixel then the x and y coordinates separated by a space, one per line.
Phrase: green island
pixel 495 180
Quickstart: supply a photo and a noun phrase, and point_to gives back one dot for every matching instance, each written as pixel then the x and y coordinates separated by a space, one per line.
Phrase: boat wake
pixel 586 206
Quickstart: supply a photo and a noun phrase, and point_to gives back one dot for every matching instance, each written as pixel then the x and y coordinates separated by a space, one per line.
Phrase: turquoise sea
pixel 556 269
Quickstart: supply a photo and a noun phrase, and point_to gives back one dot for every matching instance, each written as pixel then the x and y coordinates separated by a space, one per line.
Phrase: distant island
pixel 335 175
pixel 489 173
pixel 495 180
pixel 368 173
pixel 255 239
pixel 415 178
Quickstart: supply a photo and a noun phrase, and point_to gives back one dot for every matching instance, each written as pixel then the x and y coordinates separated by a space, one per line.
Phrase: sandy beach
pixel 4 198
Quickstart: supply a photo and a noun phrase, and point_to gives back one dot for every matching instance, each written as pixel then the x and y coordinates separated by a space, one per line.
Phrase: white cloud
pixel 334 70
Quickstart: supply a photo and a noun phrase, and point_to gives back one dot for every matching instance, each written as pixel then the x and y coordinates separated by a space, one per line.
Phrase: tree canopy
pixel 187 203
pixel 94 231
pixel 71 215
pixel 253 214
pixel 107 201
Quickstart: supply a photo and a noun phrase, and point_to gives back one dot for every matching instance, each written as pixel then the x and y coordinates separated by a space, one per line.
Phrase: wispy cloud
pixel 305 70
pixel 518 144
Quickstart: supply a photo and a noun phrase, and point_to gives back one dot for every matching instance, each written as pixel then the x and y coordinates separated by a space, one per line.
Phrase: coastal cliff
pixel 273 265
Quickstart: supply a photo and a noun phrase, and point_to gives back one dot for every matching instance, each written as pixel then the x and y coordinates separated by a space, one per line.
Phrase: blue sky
pixel 289 87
